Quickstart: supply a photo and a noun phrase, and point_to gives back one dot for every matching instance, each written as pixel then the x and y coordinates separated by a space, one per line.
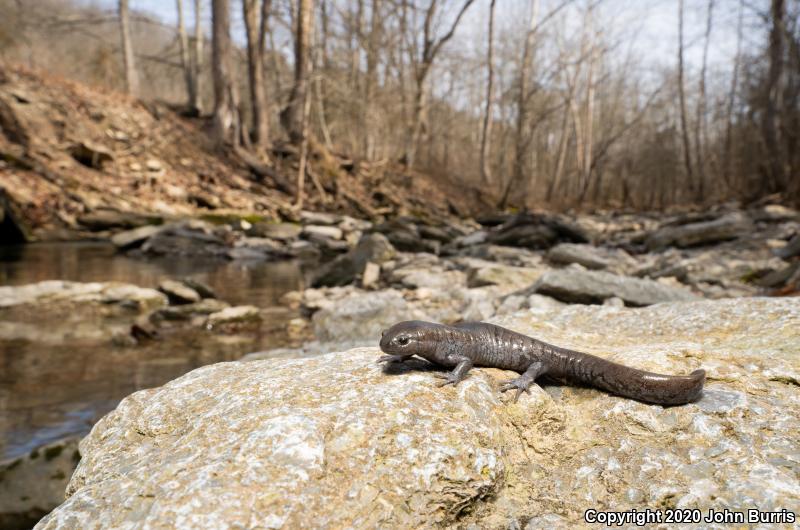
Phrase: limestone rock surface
pixel 335 442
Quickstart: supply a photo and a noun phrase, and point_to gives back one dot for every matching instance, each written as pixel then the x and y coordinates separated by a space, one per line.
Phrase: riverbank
pixel 71 361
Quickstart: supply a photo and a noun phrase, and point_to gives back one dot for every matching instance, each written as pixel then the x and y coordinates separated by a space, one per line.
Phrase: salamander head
pixel 406 338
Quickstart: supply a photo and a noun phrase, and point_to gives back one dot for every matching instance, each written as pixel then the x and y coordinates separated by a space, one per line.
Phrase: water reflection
pixel 59 378
pixel 257 283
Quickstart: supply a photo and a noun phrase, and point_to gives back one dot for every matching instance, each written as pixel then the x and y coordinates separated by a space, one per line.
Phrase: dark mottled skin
pixel 463 346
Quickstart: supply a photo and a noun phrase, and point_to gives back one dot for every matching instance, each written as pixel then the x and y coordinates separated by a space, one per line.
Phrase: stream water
pixel 52 389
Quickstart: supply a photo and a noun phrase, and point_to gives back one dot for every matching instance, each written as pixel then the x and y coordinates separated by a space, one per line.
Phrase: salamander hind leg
pixel 524 382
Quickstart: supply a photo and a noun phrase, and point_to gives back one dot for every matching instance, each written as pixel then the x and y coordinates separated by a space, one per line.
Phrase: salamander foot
pixel 521 383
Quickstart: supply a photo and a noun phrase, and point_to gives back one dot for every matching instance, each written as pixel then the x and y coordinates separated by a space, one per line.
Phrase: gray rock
pixel 339 441
pixel 202 289
pixel 247 254
pixel 189 238
pixel 791 249
pixel 326 232
pixel 694 234
pixel 187 311
pixel 776 213
pixel 589 256
pixel 178 293
pixel 429 277
pixel 106 218
pixel 279 231
pixel 505 275
pixel 34 484
pixel 236 314
pixel 371 275
pixel 318 218
pixel 577 285
pixel 133 238
pixel 361 316
pixel 346 268
pixel 475 238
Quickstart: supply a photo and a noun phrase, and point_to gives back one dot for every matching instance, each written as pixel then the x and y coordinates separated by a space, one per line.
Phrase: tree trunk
pixel 430 50
pixel 292 115
pixel 773 100
pixel 227 125
pixel 371 84
pixel 255 25
pixel 520 143
pixel 687 152
pixel 700 126
pixel 186 62
pixel 486 172
pixel 197 102
pixel 728 145
pixel 129 62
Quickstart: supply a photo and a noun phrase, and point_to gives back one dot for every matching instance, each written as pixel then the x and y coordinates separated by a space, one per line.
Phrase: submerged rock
pixel 577 285
pixel 335 441
pixel 178 292
pixel 33 484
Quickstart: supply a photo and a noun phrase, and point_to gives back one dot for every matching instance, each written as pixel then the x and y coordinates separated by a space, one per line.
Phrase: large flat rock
pixel 577 285
pixel 334 442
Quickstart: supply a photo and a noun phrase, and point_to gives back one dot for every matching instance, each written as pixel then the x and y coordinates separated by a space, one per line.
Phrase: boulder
pixel 337 441
pixel 344 269
pixel 724 228
pixel 589 256
pixel 360 316
pixel 577 285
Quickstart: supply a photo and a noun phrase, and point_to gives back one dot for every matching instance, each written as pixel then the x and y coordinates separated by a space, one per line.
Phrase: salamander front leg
pixel 524 382
pixel 463 365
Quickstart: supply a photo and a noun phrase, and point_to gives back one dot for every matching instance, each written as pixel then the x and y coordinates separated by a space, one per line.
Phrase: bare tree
pixel 292 115
pixel 687 152
pixel 727 153
pixel 422 66
pixel 227 125
pixel 701 126
pixel 526 65
pixel 188 63
pixel 199 38
pixel 255 22
pixel 487 118
pixel 773 99
pixel 131 75
pixel 371 82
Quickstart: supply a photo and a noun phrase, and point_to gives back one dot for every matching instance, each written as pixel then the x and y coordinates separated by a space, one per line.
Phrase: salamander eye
pixel 403 340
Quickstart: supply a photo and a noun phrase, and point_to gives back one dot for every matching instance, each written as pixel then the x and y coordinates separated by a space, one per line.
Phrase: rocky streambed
pixel 665 293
